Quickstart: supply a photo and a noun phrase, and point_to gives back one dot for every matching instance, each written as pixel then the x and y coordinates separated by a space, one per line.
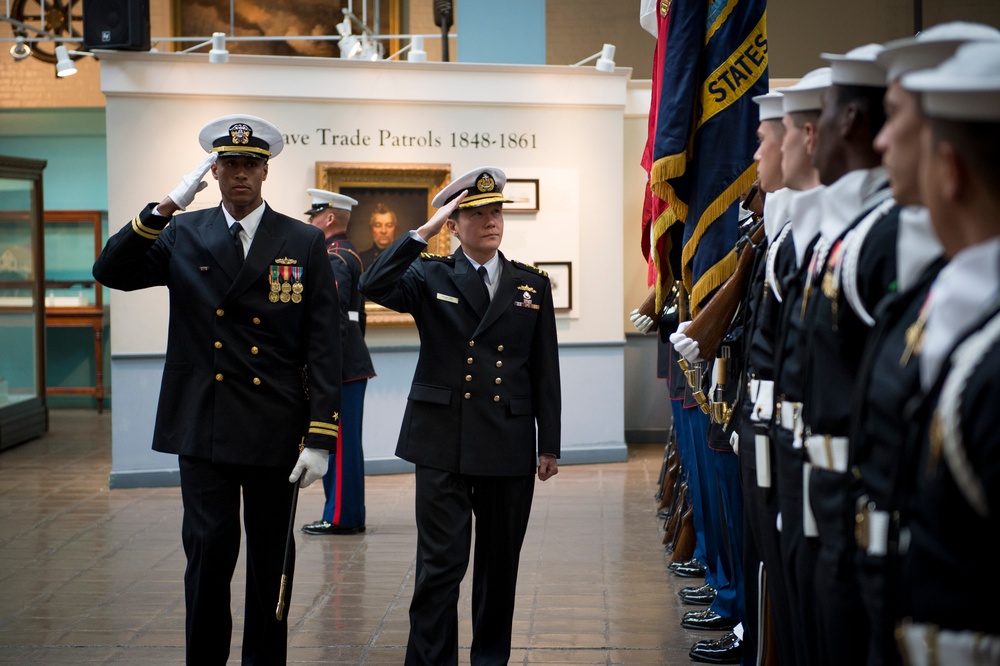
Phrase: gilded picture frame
pixel 392 200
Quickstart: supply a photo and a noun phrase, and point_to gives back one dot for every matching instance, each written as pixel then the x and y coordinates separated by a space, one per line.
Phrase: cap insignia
pixel 240 133
pixel 485 183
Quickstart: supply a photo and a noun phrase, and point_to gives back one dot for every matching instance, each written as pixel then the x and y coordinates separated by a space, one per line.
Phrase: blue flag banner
pixel 715 62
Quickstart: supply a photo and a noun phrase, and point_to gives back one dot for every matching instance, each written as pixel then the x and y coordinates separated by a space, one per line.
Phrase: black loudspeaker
pixel 116 24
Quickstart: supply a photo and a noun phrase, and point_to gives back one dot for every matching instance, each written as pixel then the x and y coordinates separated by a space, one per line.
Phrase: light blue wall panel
pixel 511 32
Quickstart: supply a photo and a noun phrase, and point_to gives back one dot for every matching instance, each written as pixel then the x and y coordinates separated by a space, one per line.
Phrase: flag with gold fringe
pixel 655 17
pixel 715 61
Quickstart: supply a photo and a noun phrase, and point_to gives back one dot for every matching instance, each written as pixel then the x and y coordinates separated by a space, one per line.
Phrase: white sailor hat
pixel 965 87
pixel 322 199
pixel 857 67
pixel 244 135
pixel 931 47
pixel 771 107
pixel 806 95
pixel 484 186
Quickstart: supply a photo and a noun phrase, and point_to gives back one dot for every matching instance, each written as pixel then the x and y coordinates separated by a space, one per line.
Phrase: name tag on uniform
pixel 446 297
pixel 354 315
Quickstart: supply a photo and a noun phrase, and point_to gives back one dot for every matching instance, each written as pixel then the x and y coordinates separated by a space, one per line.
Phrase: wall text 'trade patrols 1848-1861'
pixel 383 138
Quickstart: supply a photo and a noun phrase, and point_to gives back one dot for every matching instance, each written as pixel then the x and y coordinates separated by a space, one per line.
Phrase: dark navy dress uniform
pixel 484 403
pixel 246 380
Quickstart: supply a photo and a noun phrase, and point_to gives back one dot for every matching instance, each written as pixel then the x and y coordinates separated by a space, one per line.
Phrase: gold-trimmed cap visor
pixel 241 135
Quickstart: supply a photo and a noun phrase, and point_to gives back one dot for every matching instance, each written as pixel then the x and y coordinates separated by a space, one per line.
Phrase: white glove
pixel 684 345
pixel 192 183
pixel 643 323
pixel 312 463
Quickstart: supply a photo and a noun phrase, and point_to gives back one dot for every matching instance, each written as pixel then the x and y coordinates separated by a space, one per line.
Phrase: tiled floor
pixel 89 575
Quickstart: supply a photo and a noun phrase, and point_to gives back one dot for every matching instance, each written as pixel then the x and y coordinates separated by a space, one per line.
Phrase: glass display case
pixel 23 412
pixel 73 299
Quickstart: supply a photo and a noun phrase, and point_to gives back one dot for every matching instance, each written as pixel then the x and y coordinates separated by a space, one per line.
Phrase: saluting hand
pixel 431 227
pixel 191 184
pixel 548 467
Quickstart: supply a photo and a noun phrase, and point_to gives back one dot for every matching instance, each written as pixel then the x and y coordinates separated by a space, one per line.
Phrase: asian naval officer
pixel 483 413
pixel 344 482
pixel 250 394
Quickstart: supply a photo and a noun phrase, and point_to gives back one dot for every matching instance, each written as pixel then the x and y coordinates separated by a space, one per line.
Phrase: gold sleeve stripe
pixel 144 231
pixel 332 431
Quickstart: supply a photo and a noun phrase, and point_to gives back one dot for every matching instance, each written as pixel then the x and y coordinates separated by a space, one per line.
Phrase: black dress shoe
pixel 702 589
pixel 322 527
pixel 702 596
pixel 707 620
pixel 727 650
pixel 687 570
pixel 692 563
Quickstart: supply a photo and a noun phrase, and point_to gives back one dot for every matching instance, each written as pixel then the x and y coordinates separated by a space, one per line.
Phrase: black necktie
pixel 482 274
pixel 237 243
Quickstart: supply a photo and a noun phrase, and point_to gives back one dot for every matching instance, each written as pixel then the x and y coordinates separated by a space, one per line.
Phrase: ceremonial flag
pixel 714 62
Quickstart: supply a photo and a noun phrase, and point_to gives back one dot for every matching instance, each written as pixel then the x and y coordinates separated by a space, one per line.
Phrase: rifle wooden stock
pixel 648 308
pixel 713 320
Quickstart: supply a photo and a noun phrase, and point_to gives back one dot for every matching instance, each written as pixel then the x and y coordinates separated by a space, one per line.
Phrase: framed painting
pixel 257 18
pixel 561 279
pixel 523 194
pixel 392 200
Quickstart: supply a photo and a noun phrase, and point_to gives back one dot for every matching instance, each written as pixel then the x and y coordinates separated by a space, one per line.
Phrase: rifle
pixel 712 321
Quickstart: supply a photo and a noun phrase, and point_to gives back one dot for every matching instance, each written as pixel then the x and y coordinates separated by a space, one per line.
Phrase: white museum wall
pixel 573 118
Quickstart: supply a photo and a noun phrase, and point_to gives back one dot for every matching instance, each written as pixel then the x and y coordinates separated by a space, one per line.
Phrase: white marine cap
pixel 322 199
pixel 931 47
pixel 806 95
pixel 483 184
pixel 244 135
pixel 965 87
pixel 857 67
pixel 771 107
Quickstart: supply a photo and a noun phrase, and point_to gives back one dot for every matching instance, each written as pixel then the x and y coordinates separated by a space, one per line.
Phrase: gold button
pixel 256 320
pixel 256 381
pixel 496 398
pixel 469 360
pixel 472 343
pixel 254 351
pixel 218 377
pixel 468 395
pixel 218 345
pixel 499 364
pixel 500 348
pixel 468 378
pixel 497 380
pixel 220 312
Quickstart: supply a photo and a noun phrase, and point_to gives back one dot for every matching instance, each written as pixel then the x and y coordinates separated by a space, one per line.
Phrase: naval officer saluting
pixel 483 413
pixel 252 371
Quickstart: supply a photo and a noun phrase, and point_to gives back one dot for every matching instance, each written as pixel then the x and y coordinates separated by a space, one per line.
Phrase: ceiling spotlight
pixel 20 50
pixel 64 66
pixel 417 53
pixel 218 53
pixel 606 63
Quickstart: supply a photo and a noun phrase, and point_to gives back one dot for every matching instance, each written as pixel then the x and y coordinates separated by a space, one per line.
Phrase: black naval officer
pixel 344 481
pixel 483 413
pixel 252 372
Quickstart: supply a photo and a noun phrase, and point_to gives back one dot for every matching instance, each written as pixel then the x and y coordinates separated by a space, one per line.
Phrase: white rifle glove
pixel 192 183
pixel 313 463
pixel 643 323
pixel 684 345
